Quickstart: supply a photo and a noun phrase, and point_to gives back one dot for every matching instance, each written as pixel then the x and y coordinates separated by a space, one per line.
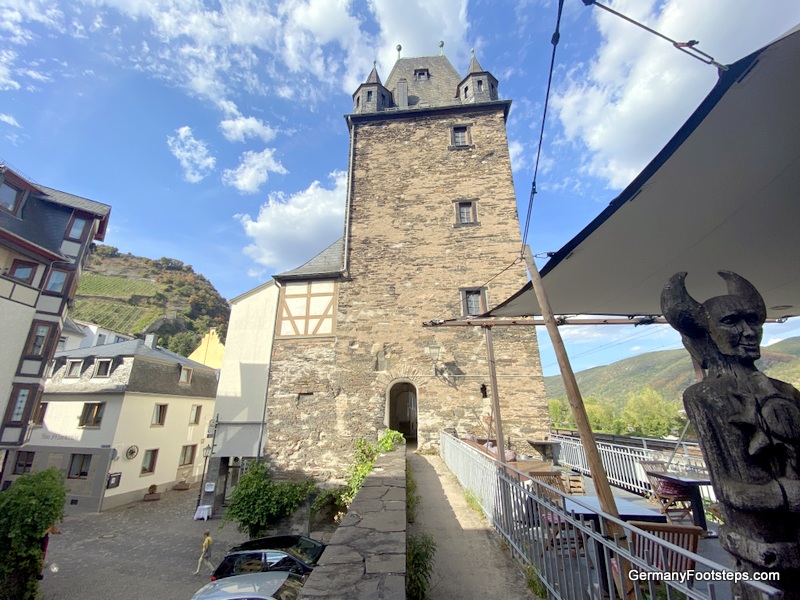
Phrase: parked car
pixel 274 585
pixel 296 554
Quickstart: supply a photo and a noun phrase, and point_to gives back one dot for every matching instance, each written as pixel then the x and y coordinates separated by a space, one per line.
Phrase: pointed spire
pixel 373 75
pixel 474 65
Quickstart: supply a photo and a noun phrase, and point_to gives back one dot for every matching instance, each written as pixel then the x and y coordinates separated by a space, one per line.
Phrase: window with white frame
pixel 56 282
pixel 102 367
pixel 79 466
pixel 23 270
pixel 159 414
pixel 76 228
pixel 92 414
pixel 186 375
pixel 187 455
pixel 149 461
pixel 74 368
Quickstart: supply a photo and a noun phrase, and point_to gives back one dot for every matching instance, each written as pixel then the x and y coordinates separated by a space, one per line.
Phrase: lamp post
pixel 433 351
pixel 206 454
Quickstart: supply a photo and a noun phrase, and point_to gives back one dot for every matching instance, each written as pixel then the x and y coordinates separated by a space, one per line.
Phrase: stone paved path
pixel 147 550
pixel 470 563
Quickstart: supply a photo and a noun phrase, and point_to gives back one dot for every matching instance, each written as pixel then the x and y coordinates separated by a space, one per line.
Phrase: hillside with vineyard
pixel 137 295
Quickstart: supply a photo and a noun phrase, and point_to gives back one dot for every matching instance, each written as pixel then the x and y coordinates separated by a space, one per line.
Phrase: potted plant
pixel 182 485
pixel 152 493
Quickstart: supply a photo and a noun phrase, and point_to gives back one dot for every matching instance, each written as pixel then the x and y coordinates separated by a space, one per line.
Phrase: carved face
pixel 735 327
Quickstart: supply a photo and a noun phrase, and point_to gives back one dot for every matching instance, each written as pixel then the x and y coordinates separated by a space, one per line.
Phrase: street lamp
pixel 206 454
pixel 433 351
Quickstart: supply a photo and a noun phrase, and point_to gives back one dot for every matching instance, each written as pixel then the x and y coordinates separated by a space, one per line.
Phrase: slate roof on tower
pixel 327 263
pixel 438 90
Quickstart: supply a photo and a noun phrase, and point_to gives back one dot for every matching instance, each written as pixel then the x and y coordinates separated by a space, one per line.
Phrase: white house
pixel 118 418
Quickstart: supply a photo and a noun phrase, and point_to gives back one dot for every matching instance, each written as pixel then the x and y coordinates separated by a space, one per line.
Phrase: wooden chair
pixel 674 500
pixel 561 534
pixel 683 536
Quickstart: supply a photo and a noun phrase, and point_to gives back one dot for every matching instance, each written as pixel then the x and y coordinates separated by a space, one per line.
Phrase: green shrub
pixel 389 440
pixel 412 500
pixel 258 501
pixel 33 503
pixel 420 551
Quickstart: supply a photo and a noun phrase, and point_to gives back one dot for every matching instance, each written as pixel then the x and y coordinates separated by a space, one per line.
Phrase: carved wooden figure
pixel 748 426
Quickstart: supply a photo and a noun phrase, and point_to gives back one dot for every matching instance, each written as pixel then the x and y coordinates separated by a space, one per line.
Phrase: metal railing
pixel 622 463
pixel 571 552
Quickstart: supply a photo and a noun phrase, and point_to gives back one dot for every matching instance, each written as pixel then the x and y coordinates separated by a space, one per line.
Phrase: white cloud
pixel 7 58
pixel 192 154
pixel 9 120
pixel 241 128
pixel 626 103
pixel 291 229
pixel 253 170
pixel 517 152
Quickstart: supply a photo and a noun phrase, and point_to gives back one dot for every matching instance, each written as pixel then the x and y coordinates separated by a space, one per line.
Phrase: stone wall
pixel 408 262
pixel 366 557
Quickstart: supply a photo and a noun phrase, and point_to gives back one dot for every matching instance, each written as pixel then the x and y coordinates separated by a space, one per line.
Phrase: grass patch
pixel 94 284
pixel 117 316
pixel 472 502
pixel 412 500
pixel 534 583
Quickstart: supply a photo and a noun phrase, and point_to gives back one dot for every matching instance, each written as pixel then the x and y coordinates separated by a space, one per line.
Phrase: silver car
pixel 269 585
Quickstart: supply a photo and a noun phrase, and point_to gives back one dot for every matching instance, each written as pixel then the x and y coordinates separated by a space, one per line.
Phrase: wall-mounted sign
pixel 210 486
pixel 113 480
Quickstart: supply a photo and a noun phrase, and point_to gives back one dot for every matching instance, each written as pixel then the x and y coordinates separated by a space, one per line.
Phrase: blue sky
pixel 214 129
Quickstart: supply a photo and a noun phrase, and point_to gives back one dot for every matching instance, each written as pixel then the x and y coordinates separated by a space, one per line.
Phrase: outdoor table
pixel 693 485
pixel 628 511
pixel 546 448
pixel 203 512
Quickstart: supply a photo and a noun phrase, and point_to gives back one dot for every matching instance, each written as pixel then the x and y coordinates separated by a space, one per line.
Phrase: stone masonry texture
pixel 408 261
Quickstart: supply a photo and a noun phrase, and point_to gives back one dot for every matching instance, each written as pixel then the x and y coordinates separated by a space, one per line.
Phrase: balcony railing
pixel 574 556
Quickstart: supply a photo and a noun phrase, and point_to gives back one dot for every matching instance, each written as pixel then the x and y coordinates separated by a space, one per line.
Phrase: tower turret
pixel 478 85
pixel 371 96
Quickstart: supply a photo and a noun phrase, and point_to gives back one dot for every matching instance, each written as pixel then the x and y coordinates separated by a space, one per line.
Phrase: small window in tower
pixel 358 101
pixel 383 99
pixel 480 85
pixel 369 96
pixel 422 74
pixel 466 212
pixel 460 136
pixel 466 89
pixel 473 301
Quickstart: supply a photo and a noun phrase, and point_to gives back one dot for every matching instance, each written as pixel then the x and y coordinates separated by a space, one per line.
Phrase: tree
pixel 647 414
pixel 258 501
pixel 33 503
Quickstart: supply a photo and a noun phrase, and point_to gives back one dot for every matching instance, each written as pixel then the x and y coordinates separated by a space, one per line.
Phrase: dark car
pixel 296 554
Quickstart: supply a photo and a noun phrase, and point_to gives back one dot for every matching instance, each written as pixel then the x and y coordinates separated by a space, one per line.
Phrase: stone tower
pixel 431 224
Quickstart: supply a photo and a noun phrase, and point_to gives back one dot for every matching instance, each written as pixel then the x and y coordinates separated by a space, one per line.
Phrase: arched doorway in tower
pixel 401 409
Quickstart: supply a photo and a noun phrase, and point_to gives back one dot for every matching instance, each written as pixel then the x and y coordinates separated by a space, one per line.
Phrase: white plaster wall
pixel 61 422
pixel 16 322
pixel 134 428
pixel 245 366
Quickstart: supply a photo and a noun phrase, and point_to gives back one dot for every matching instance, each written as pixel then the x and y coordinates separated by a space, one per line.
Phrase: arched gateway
pixel 401 408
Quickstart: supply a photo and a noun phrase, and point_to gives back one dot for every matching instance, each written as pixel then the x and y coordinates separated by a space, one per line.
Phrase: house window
pixel 74 368
pixel 39 413
pixel 56 282
pixel 460 136
pixel 79 466
pixel 369 96
pixel 19 402
pixel 421 74
pixel 92 414
pixel 76 228
pixel 186 375
pixel 473 301
pixel 149 461
pixel 37 342
pixel 103 367
pixel 466 212
pixel 23 463
pixel 187 455
pixel 62 342
pixel 23 271
pixel 194 415
pixel 101 339
pixel 480 85
pixel 9 197
pixel 159 414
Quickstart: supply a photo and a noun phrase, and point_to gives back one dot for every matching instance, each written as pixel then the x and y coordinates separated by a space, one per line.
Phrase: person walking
pixel 205 555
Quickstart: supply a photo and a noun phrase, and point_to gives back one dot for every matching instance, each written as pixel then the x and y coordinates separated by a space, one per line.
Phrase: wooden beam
pixel 498 421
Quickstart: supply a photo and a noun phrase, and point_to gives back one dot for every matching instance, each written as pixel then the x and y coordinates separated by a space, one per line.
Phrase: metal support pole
pixel 202 482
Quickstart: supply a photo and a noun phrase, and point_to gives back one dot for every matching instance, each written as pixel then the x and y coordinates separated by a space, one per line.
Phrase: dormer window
pixel 9 197
pixel 186 375
pixel 422 74
pixel 76 228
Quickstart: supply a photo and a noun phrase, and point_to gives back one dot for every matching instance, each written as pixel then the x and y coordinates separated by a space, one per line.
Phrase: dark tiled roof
pixel 131 348
pixel 40 222
pixel 77 202
pixel 474 66
pixel 373 76
pixel 328 262
pixel 440 90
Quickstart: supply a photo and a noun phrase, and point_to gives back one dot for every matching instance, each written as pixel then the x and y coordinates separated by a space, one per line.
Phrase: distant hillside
pixel 669 372
pixel 137 295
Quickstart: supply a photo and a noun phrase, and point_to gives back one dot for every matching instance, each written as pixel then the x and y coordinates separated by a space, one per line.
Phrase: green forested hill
pixel 136 295
pixel 669 372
